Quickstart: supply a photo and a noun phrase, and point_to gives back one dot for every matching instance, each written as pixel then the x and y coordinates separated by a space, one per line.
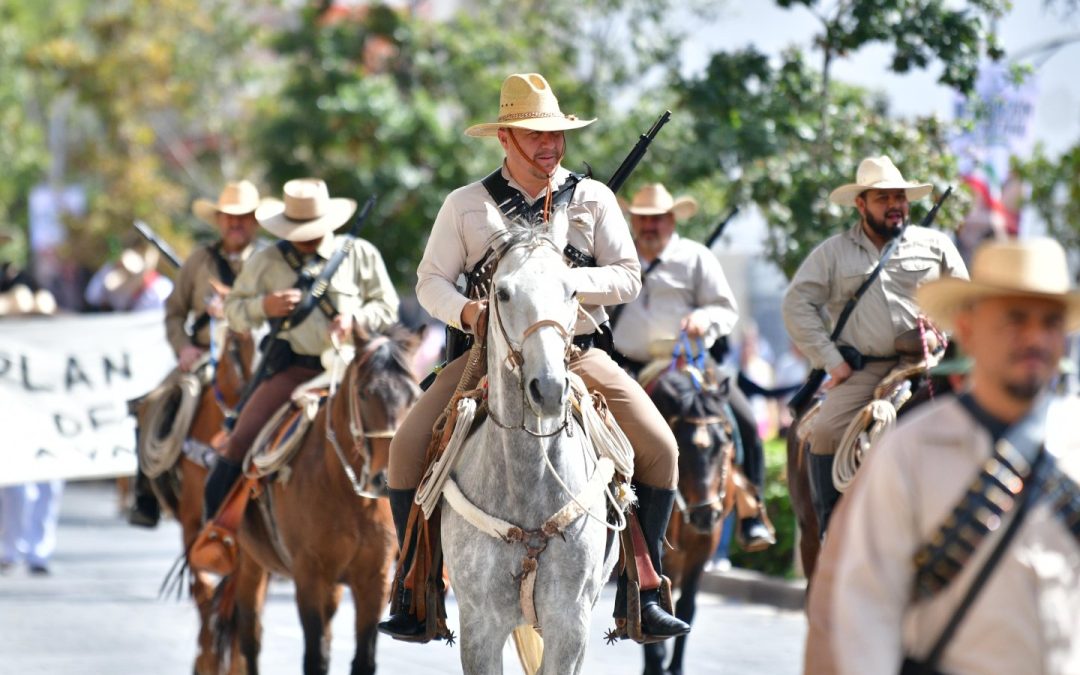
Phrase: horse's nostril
pixel 534 389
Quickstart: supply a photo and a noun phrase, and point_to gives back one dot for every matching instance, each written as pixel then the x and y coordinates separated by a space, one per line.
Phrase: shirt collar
pixel 667 249
pixel 858 236
pixel 558 179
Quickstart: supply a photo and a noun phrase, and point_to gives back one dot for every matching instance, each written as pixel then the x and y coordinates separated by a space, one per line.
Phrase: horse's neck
pixel 505 473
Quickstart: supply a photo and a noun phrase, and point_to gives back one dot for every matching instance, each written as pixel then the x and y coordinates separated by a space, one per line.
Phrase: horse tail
pixel 173 583
pixel 530 648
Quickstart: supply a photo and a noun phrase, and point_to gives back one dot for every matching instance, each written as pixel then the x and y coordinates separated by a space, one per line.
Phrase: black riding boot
pixel 218 484
pixel 403 623
pixel 823 493
pixel 654 512
pixel 146 511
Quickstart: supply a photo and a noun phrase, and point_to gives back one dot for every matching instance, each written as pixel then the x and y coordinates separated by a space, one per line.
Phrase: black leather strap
pixel 227 276
pixel 513 205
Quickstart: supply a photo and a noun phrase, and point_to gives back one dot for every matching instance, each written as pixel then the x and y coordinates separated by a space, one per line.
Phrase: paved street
pixel 99 613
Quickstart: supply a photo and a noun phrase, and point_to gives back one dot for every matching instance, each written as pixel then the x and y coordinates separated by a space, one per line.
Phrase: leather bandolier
pixel 227 277
pixel 514 207
pixel 991 496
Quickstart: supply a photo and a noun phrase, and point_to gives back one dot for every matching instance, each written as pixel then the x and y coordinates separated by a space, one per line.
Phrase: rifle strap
pixel 319 281
pixel 886 255
pixel 513 205
pixel 227 276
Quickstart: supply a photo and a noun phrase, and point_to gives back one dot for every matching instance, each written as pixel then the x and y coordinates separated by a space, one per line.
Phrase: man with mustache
pixel 973 500
pixel 529 185
pixel 684 290
pixel 830 276
pixel 196 298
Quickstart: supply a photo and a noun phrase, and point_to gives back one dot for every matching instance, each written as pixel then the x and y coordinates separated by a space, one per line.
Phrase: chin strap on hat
pixel 550 176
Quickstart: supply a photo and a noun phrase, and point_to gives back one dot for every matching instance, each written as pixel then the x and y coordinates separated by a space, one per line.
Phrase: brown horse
pixel 706 493
pixel 324 526
pixel 798 477
pixel 180 489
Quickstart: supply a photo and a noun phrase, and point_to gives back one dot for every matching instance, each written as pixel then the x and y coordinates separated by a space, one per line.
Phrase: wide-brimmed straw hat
pixel 877 173
pixel 1028 267
pixel 654 199
pixel 307 212
pixel 236 199
pixel 527 102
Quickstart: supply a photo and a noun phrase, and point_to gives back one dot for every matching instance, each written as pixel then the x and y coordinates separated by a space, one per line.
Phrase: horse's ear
pixel 559 226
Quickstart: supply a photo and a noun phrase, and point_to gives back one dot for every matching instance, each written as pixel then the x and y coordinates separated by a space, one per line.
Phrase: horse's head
pixel 533 307
pixel 381 385
pixel 701 426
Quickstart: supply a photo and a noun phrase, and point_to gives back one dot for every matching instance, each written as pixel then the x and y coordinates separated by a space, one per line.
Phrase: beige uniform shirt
pixel 834 270
pixel 1025 620
pixel 462 232
pixel 360 287
pixel 191 293
pixel 686 278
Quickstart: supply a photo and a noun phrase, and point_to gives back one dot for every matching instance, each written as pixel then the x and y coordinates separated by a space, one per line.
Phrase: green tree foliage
pixel 778 134
pixel 377 100
pixel 758 130
pixel 1055 193
pixel 155 92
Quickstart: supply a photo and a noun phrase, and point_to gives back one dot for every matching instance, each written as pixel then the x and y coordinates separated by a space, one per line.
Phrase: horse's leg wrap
pixel 823 492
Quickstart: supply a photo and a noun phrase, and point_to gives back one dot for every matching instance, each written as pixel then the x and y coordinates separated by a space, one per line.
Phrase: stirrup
pixel 628 625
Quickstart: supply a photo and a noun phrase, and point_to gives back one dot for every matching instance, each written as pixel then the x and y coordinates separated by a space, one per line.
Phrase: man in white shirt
pixel 531 183
pixel 993 468
pixel 683 289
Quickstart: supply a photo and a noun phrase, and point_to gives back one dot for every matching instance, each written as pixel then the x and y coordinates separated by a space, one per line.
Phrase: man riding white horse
pixel 530 184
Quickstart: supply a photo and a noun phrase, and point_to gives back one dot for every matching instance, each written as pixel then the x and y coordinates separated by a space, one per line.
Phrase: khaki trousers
pixel 264 402
pixel 842 403
pixel 656 454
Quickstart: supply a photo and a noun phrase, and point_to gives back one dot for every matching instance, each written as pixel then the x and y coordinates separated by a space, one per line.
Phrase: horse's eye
pixel 503 295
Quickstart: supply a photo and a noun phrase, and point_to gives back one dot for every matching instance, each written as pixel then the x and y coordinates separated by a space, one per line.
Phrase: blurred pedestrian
pixel 28 519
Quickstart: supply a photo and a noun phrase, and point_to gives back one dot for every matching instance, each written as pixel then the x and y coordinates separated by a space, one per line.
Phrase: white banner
pixel 64 386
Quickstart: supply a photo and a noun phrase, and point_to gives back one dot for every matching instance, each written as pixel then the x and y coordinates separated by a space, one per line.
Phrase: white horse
pixel 527 464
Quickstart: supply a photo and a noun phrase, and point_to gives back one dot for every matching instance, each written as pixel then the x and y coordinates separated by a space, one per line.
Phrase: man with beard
pixel 865 350
pixel 972 501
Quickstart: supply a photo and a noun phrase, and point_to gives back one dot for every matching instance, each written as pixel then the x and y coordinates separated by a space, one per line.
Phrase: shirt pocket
pixel 849 277
pixel 342 287
pixel 581 234
pixel 914 272
pixel 663 289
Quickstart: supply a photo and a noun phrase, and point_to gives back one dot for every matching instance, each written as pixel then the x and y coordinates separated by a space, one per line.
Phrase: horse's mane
pixel 389 362
pixel 520 233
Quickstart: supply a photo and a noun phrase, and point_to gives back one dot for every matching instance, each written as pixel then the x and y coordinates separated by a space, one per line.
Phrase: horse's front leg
pixel 685 609
pixel 482 640
pixel 251 584
pixel 654 658
pixel 566 635
pixel 317 600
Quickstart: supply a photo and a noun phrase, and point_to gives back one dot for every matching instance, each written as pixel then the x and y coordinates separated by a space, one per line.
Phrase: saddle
pixel 215 549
